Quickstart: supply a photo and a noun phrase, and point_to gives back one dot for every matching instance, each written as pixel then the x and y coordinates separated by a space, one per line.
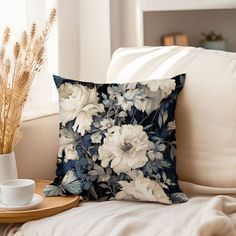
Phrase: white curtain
pixel 19 15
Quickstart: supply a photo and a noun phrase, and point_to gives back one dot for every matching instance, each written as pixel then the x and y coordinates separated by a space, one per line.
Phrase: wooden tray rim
pixel 34 214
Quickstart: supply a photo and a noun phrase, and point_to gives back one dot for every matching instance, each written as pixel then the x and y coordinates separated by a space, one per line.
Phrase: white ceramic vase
pixel 8 169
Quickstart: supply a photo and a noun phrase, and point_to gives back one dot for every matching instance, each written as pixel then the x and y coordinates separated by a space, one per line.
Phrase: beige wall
pixel 89 32
pixel 115 24
pixel 84 39
pixel 68 30
pixel 95 39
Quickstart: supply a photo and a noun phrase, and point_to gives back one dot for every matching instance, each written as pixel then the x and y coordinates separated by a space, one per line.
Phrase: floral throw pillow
pixel 117 141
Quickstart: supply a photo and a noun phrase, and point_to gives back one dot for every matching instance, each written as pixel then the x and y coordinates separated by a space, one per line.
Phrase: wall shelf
pixel 192 23
pixel 174 5
pixel 155 18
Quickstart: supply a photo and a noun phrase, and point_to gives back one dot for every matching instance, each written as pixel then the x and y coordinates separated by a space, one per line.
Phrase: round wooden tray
pixel 48 207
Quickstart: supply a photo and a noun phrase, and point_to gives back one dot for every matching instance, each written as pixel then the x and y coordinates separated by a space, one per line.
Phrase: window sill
pixel 33 112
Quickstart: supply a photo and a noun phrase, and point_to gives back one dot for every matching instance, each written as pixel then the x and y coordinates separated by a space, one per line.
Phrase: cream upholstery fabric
pixel 36 153
pixel 206 109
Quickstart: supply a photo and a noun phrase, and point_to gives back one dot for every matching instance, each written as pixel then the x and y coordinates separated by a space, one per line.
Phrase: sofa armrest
pixel 36 153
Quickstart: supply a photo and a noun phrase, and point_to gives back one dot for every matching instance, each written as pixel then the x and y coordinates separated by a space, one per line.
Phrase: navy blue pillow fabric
pixel 117 141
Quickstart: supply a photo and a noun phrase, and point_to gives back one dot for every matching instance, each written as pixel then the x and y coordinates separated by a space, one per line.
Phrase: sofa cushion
pixel 206 109
pixel 117 141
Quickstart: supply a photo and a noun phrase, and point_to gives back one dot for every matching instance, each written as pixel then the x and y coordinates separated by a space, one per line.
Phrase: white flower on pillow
pixel 70 153
pixel 64 140
pixel 80 103
pixel 156 91
pixel 165 85
pixel 107 123
pixel 151 102
pixel 102 125
pixel 124 148
pixel 130 98
pixel 156 152
pixel 171 125
pixel 141 188
pixel 126 95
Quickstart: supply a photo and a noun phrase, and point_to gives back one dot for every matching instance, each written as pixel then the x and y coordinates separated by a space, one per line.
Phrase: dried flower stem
pixel 16 77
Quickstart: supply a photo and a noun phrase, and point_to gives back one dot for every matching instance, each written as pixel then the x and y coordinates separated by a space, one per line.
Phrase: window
pixel 19 15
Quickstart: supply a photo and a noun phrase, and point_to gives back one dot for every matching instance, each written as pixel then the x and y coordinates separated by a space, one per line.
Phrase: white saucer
pixel 37 199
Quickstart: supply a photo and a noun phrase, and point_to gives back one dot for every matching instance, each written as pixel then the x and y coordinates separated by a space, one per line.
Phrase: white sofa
pixel 206 152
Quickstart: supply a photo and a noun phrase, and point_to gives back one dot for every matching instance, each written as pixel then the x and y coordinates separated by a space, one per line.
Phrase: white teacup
pixel 17 192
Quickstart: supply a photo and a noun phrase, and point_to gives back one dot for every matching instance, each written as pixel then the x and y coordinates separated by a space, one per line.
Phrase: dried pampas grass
pixel 16 75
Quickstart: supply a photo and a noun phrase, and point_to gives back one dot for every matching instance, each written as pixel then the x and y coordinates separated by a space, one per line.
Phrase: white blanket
pixel 200 216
